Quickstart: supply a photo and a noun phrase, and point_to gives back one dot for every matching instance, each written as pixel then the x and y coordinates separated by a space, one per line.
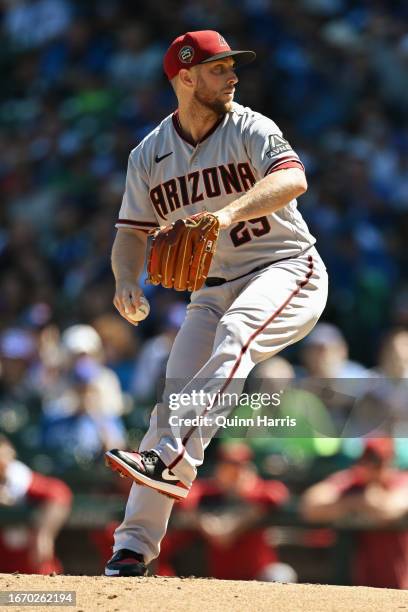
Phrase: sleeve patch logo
pixel 277 145
pixel 186 54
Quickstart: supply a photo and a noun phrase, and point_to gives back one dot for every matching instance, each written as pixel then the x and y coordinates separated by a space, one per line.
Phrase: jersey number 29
pixel 242 232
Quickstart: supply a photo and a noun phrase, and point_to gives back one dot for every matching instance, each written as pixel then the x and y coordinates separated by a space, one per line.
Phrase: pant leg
pixel 273 309
pixel 147 511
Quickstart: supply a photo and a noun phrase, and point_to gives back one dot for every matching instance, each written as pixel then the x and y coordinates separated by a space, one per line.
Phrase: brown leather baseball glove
pixel 181 253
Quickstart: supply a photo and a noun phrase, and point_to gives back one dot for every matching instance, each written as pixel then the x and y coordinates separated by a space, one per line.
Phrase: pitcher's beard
pixel 218 107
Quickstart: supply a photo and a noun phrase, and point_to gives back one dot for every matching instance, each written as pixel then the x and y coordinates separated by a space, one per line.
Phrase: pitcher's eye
pixel 221 69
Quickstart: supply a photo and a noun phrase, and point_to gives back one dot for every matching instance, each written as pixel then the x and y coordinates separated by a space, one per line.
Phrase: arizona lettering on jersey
pixel 169 178
pixel 199 186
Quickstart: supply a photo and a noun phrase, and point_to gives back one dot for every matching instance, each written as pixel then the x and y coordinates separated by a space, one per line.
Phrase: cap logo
pixel 186 54
pixel 222 40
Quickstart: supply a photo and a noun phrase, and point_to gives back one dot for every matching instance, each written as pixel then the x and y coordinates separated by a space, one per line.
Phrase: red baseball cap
pixel 200 47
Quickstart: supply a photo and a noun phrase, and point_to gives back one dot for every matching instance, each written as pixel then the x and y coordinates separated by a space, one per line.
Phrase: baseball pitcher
pixel 216 184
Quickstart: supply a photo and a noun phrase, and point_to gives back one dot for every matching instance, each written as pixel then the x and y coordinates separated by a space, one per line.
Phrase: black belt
pixel 214 281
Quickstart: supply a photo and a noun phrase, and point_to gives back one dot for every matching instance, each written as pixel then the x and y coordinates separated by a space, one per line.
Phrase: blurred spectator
pixel 325 354
pixel 138 61
pixel 20 402
pixel 17 351
pixel 46 376
pixel 30 23
pixel 29 548
pixel 79 341
pixel 226 512
pixel 393 364
pixel 393 360
pixel 281 449
pixel 80 433
pixel 371 497
pixel 120 346
pixel 389 392
pixel 383 406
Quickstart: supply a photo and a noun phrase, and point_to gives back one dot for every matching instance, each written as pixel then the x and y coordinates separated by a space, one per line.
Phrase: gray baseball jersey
pixel 231 327
pixel 169 178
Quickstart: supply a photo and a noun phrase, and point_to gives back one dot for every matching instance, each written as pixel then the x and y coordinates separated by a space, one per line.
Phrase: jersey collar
pixel 178 128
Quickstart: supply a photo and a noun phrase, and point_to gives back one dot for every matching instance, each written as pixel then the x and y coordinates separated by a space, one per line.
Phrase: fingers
pixel 126 301
pixel 122 312
pixel 129 302
pixel 129 298
pixel 134 323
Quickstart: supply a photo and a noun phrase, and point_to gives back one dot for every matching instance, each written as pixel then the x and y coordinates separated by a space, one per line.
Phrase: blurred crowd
pixel 82 84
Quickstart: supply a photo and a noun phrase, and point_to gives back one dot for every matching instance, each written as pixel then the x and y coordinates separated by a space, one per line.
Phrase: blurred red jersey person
pixel 29 548
pixel 226 511
pixel 374 494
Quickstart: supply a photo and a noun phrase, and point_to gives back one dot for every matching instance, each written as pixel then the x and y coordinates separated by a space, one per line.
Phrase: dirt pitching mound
pixel 96 593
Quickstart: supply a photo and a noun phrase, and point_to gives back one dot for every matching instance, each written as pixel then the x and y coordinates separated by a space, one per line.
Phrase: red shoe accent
pixel 137 458
pixel 129 560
